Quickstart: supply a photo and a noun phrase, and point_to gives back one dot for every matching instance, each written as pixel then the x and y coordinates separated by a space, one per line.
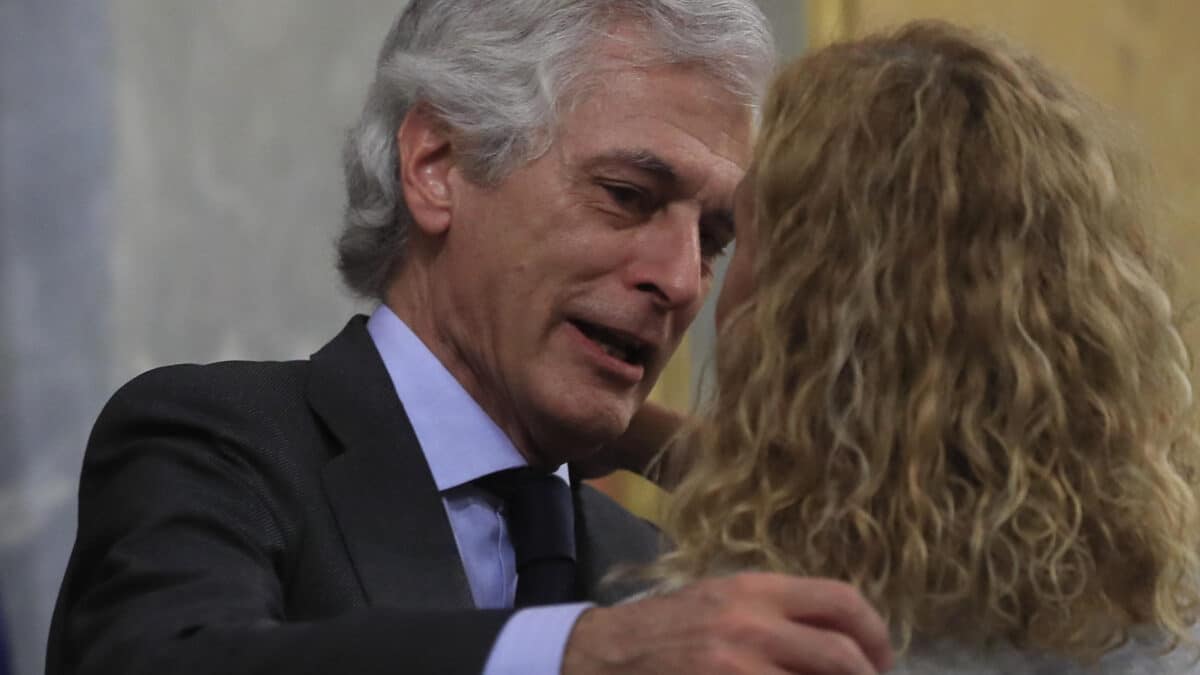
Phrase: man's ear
pixel 426 158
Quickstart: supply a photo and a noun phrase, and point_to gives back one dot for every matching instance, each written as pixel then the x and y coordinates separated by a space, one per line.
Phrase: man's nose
pixel 668 262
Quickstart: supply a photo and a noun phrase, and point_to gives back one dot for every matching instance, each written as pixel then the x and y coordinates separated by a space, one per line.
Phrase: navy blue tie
pixel 539 513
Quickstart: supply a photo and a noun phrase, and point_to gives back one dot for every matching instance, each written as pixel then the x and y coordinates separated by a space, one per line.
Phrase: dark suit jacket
pixel 244 518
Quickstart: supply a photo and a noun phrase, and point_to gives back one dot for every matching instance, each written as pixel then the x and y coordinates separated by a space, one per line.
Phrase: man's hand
pixel 751 623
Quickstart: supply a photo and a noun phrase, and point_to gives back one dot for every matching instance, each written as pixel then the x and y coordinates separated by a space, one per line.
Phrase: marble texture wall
pixel 55 231
pixel 230 118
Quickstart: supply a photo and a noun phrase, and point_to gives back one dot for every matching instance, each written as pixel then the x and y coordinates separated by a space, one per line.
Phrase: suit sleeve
pixel 179 561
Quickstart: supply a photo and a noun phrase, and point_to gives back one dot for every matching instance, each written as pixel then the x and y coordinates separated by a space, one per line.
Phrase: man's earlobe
pixel 426 158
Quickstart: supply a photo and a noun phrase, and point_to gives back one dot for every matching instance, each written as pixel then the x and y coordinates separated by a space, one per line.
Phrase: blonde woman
pixel 949 371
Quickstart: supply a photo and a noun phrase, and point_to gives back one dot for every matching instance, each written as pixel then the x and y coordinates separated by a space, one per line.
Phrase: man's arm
pixel 746 624
pixel 183 549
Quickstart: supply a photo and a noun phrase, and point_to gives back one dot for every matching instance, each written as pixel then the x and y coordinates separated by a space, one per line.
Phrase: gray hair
pixel 499 73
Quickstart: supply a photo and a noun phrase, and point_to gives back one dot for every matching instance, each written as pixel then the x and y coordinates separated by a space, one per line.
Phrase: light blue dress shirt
pixel 461 443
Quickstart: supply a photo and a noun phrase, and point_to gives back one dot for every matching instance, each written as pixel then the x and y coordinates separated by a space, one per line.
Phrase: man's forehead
pixel 685 96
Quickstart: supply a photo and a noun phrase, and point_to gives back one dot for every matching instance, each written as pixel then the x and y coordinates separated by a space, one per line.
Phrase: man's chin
pixel 577 435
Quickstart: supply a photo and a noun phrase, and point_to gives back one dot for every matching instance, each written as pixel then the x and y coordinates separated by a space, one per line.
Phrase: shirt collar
pixel 460 442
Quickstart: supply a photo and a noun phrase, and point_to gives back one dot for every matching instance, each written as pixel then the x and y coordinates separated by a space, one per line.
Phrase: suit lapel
pixel 609 538
pixel 380 488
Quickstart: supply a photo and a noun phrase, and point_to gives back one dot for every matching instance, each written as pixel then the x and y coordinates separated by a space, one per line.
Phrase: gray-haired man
pixel 537 190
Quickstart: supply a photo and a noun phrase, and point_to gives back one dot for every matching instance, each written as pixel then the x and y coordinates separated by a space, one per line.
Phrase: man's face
pixel 565 288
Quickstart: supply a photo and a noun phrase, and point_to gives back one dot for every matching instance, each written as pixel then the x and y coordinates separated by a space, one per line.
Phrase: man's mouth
pixel 616 344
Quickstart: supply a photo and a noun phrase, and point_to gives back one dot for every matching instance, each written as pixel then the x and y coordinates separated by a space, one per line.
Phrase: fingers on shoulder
pixel 799 593
pixel 796 646
pixel 835 609
pixel 728 659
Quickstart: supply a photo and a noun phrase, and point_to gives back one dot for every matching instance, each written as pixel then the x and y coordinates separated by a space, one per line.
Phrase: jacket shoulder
pixel 602 512
pixel 213 395
pixel 613 543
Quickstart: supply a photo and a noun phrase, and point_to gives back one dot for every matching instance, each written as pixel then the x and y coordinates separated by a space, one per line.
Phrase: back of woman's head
pixel 959 383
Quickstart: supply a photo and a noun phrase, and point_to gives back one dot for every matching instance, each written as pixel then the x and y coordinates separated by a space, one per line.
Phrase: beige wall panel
pixel 1141 57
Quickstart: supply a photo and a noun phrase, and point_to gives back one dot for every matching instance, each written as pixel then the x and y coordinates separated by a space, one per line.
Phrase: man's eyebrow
pixel 643 160
pixel 661 169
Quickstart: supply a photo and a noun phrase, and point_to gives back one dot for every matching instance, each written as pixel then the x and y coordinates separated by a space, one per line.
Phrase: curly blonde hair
pixel 960 383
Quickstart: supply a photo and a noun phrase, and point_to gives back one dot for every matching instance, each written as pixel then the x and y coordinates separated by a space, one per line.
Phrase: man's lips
pixel 623 353
pixel 628 345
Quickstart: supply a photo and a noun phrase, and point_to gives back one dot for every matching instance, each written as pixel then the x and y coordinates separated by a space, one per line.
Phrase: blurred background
pixel 170 190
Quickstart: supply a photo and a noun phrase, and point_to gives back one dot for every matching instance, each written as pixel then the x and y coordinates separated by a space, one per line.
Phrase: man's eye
pixel 713 245
pixel 627 196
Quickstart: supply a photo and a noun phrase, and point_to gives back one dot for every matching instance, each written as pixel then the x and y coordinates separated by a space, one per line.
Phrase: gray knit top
pixel 1134 658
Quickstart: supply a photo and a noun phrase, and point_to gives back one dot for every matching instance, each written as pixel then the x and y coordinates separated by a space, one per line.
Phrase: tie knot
pixel 538 511
pixel 521 483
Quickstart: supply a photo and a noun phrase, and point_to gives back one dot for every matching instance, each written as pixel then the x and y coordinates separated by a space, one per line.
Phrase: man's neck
pixel 410 298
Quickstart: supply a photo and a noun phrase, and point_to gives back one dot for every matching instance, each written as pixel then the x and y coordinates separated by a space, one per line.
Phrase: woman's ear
pixel 425 158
